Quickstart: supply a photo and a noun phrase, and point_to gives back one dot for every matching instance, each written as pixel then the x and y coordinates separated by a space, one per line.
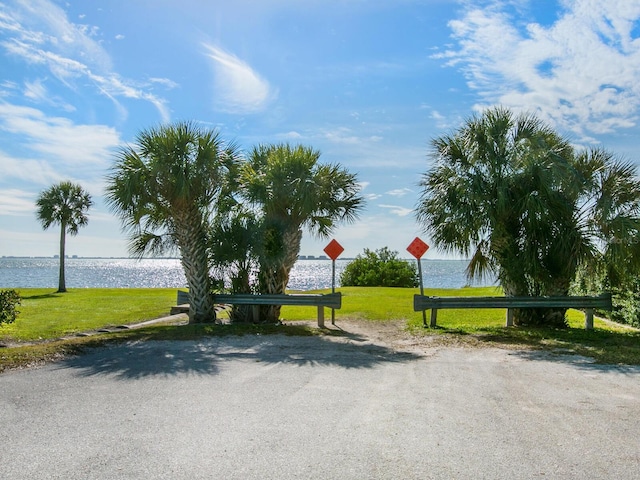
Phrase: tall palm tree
pixel 509 193
pixel 65 204
pixel 164 189
pixel 292 191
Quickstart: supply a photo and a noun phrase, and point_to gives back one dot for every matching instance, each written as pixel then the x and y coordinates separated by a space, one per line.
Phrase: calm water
pixel 167 273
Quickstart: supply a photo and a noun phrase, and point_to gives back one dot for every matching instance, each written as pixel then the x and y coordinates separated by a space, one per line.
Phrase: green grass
pixel 45 316
pixel 387 303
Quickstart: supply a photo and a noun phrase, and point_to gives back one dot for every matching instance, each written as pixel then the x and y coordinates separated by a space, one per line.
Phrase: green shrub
pixel 624 288
pixel 9 299
pixel 381 268
pixel 626 305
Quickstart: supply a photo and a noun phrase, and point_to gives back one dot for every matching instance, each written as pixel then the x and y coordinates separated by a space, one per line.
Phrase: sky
pixel 369 83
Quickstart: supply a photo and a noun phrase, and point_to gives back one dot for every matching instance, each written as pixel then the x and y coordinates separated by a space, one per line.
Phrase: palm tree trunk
pixel 190 240
pixel 61 280
pixel 276 278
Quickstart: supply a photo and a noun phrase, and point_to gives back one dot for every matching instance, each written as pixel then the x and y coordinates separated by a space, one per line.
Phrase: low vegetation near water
pixel 46 316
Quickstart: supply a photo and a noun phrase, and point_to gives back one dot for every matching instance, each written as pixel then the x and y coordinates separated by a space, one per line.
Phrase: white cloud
pixel 58 139
pixel 399 192
pixel 16 202
pixel 170 84
pixel 345 136
pixel 41 24
pixel 40 33
pixel 237 87
pixel 292 135
pixel 35 90
pixel 38 93
pixel 398 210
pixel 27 170
pixel 579 73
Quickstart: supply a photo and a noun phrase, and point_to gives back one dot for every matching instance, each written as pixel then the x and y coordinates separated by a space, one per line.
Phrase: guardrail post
pixel 434 315
pixel 588 319
pixel 509 317
pixel 320 316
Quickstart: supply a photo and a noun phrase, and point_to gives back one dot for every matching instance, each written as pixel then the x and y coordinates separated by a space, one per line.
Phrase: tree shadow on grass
pixel 603 349
pixel 134 359
pixel 42 296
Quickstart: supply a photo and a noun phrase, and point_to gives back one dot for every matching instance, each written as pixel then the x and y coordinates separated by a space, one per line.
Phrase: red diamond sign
pixel 334 249
pixel 417 248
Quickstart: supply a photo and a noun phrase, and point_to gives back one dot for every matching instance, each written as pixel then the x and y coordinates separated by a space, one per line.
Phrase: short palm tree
pixel 509 193
pixel 609 206
pixel 165 189
pixel 292 191
pixel 64 204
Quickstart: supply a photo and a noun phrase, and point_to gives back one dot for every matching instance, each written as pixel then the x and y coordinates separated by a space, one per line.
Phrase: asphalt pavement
pixel 278 407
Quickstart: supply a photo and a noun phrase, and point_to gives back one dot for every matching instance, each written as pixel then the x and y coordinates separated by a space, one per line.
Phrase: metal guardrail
pixel 589 303
pixel 321 301
pixel 329 300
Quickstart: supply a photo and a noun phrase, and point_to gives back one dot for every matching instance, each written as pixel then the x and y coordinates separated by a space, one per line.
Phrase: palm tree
pixel 235 237
pixel 292 191
pixel 65 204
pixel 164 189
pixel 509 193
pixel 610 206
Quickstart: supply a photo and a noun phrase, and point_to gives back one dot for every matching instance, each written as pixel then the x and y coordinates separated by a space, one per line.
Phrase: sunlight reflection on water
pixel 167 273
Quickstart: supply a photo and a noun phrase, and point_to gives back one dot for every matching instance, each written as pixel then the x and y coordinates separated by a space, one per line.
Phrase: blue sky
pixel 368 83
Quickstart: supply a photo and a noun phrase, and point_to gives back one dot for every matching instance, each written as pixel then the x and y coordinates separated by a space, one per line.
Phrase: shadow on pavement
pixel 134 360
pixel 576 360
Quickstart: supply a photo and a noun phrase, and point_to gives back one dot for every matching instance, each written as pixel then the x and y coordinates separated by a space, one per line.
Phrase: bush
pixel 625 292
pixel 8 301
pixel 626 306
pixel 381 268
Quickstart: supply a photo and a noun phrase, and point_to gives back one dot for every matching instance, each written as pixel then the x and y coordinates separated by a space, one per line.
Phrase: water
pixel 167 273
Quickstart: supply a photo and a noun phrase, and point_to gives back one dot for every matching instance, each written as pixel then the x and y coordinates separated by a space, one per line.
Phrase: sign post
pixel 418 248
pixel 333 250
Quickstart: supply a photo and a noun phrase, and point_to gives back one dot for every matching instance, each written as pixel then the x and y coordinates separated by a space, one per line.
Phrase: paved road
pixel 281 407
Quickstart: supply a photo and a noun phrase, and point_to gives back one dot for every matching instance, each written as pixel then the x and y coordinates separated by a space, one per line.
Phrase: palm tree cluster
pixel 517 199
pixel 182 186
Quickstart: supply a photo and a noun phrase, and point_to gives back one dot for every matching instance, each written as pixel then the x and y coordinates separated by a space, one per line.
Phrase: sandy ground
pixel 371 402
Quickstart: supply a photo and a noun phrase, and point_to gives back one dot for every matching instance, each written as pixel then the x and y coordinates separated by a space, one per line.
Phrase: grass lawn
pixel 46 316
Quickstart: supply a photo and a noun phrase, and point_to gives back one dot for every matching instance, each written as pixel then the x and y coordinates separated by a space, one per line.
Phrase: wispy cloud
pixel 345 136
pixel 27 169
pixel 291 135
pixel 56 139
pixel 237 87
pixel 39 94
pixel 40 33
pixel 397 210
pixel 16 202
pixel 399 192
pixel 580 73
pixel 372 196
